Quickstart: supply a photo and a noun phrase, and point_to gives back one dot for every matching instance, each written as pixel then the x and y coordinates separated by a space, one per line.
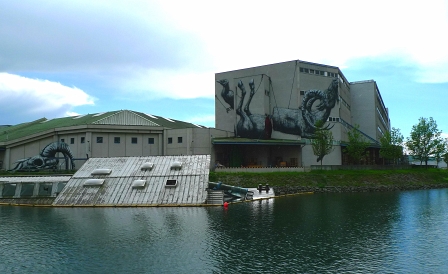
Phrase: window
pixel 305 70
pixel 312 71
pixel 179 140
pixel 72 140
pixel 302 92
pixel 99 140
pixel 63 140
pixel 83 140
pixel 150 141
pixel 117 140
pixel 134 140
pixel 170 140
pixel 322 72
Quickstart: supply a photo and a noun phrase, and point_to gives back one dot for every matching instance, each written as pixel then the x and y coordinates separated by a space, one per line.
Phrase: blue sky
pixel 60 58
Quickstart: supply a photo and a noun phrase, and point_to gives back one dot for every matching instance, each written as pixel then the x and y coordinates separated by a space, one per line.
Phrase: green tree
pixel 424 140
pixel 392 145
pixel 323 142
pixel 440 151
pixel 356 148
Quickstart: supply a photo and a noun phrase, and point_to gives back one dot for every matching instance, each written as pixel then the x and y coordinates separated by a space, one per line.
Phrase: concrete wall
pixel 84 143
pixel 285 85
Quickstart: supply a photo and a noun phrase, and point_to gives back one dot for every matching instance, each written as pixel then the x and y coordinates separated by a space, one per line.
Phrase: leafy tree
pixel 323 142
pixel 445 157
pixel 424 140
pixel 441 150
pixel 357 145
pixel 392 145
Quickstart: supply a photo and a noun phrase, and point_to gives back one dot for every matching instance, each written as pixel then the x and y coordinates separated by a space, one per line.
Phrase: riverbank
pixel 339 180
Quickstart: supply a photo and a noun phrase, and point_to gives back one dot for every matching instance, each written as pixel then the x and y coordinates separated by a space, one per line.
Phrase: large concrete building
pixel 272 111
pixel 264 117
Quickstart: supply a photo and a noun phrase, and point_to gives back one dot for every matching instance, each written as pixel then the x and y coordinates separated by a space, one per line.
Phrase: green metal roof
pixel 120 117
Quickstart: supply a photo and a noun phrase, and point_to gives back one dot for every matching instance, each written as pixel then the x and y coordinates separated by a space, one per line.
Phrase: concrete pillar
pixel 36 190
pixel 18 190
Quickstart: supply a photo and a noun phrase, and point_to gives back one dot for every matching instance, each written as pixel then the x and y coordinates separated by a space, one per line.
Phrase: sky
pixel 64 58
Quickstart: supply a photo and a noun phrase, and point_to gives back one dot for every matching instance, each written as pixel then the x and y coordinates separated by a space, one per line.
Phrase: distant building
pixel 272 111
pixel 64 143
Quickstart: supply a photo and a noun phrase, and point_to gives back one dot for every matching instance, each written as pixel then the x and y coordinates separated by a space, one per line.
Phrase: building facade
pixel 272 111
pixel 66 143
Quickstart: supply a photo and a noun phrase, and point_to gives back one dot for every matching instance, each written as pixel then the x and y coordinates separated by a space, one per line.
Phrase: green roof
pixel 120 117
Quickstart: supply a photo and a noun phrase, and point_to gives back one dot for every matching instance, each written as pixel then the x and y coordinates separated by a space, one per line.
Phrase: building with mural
pixel 264 117
pixel 66 143
pixel 273 109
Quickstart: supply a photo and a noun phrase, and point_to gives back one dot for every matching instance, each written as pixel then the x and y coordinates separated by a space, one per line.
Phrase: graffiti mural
pixel 227 94
pixel 47 158
pixel 249 125
pixel 316 106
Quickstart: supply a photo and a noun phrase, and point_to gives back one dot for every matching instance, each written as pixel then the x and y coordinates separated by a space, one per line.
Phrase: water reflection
pixel 362 232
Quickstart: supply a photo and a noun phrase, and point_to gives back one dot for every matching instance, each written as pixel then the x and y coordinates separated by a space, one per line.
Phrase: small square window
pixel 134 140
pixel 322 72
pixel 301 69
pixel 305 70
pixel 170 140
pixel 99 140
pixel 72 140
pixel 117 140
pixel 63 140
pixel 150 141
pixel 302 92
pixel 179 139
pixel 312 71
pixel 83 140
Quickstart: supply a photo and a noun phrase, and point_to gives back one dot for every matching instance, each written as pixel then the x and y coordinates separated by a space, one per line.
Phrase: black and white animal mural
pixel 227 94
pixel 47 158
pixel 316 106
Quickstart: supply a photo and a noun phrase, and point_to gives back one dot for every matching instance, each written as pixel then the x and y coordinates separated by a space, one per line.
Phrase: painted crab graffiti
pixel 316 106
pixel 47 158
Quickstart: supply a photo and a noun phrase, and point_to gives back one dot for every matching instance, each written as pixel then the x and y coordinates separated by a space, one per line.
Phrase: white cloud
pixel 20 96
pixel 173 84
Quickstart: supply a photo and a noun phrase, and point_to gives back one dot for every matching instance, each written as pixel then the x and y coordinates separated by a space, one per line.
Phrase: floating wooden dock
pixel 138 181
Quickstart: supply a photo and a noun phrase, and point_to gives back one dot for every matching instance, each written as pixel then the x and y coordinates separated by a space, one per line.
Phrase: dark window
pixel 179 139
pixel 302 92
pixel 116 140
pixel 150 141
pixel 63 140
pixel 99 140
pixel 322 72
pixel 305 70
pixel 170 140
pixel 301 69
pixel 72 140
pixel 312 71
pixel 134 140
pixel 83 140
pixel 330 119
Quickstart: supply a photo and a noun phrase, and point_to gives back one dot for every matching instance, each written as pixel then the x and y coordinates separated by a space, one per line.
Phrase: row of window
pixel 117 140
pixel 318 72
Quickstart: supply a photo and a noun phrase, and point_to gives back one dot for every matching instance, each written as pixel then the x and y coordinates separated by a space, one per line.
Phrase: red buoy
pixel 226 204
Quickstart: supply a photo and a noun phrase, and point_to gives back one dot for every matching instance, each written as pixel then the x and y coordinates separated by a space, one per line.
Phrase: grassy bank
pixel 410 178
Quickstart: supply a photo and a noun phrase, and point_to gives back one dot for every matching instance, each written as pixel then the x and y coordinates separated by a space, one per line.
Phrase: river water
pixel 390 232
